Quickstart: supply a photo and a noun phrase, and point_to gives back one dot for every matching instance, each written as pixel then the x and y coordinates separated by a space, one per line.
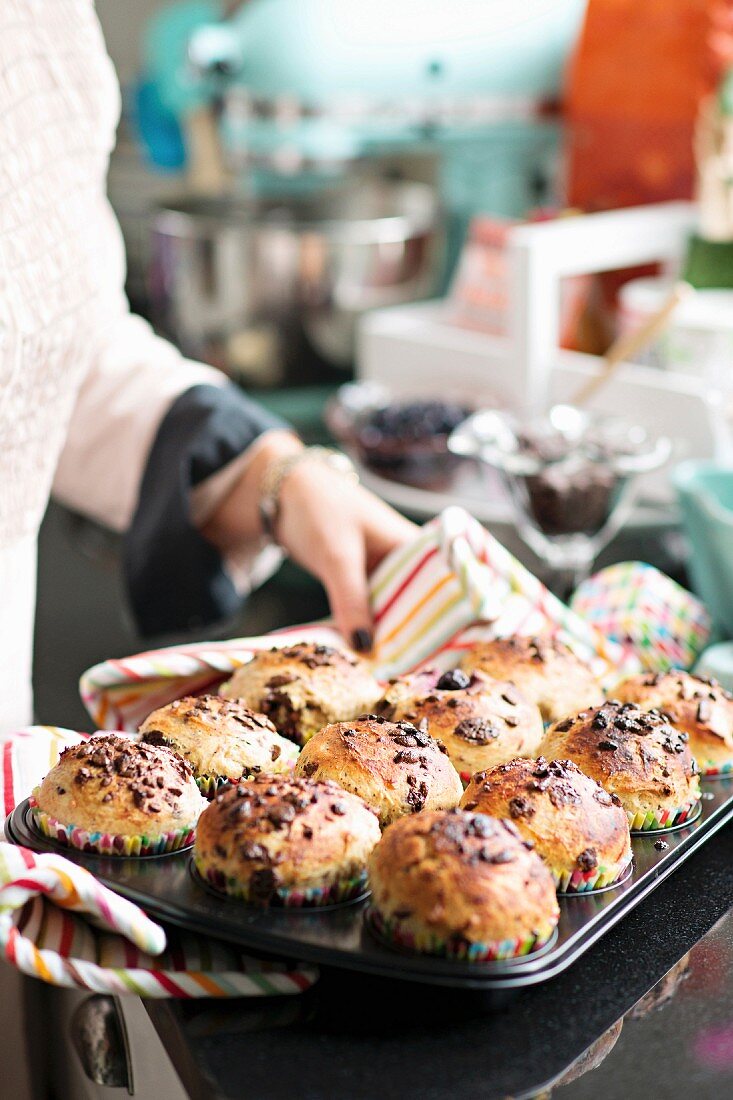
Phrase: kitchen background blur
pixel 386 217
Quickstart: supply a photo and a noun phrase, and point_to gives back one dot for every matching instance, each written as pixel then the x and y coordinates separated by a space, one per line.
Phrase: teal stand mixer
pixel 308 91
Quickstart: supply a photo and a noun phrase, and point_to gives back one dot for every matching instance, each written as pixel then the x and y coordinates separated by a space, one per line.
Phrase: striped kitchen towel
pixel 43 933
pixel 453 585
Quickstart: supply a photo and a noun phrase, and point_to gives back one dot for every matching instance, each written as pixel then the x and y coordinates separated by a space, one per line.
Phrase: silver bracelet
pixel 278 470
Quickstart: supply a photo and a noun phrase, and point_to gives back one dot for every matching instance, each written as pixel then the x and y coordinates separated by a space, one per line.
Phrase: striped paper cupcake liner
pixel 715 771
pixel 110 844
pixel 667 819
pixel 312 897
pixel 210 784
pixel 585 882
pixel 393 933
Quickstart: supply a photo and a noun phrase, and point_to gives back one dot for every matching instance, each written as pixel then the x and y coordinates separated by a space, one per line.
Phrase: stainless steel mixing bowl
pixel 271 289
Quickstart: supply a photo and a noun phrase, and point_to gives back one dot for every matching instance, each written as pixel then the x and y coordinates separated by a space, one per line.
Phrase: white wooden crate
pixel 418 349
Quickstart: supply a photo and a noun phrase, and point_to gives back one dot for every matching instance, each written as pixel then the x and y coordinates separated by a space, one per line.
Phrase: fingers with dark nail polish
pixel 361 640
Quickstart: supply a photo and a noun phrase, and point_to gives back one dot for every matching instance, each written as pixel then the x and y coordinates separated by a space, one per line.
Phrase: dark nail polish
pixel 361 640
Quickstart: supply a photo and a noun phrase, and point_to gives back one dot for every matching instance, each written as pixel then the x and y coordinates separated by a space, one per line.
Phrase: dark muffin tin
pixel 169 890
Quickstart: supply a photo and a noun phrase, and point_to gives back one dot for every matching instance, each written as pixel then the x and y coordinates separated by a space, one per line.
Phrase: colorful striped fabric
pixel 430 599
pixel 42 934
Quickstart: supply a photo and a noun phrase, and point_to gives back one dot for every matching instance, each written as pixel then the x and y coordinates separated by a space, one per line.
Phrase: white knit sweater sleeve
pixel 124 397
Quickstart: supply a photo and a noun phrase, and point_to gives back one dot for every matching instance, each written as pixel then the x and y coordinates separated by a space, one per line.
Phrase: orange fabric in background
pixel 632 91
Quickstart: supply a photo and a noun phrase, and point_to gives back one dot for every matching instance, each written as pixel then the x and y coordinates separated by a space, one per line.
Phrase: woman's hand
pixel 335 529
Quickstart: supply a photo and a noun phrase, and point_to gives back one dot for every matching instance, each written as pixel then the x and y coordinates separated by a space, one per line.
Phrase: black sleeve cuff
pixel 175 578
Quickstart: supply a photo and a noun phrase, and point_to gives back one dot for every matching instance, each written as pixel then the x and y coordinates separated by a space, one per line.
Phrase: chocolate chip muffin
pixel 303 687
pixel 222 739
pixel 113 795
pixel 480 721
pixel 700 707
pixel 274 840
pixel 636 755
pixel 544 669
pixel 396 768
pixel 574 824
pixel 460 885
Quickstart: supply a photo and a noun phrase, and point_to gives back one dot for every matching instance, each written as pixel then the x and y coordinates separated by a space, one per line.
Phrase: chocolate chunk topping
pixel 310 767
pixel 587 860
pixel 406 756
pixel 476 731
pixel 155 737
pixel 520 807
pixel 607 746
pixel 417 795
pixel 453 680
pixel 281 679
pixel 338 808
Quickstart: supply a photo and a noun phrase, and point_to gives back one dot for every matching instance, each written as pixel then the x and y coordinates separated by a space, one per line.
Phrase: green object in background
pixel 717 664
pixel 705 494
pixel 709 264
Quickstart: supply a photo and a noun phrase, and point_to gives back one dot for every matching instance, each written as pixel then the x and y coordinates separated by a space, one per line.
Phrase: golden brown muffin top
pixel 477 710
pixel 573 821
pixel 626 749
pixel 462 873
pixel 302 686
pixel 111 783
pixel 275 827
pixel 542 667
pixel 396 754
pixel 218 736
pixel 696 704
pixel 204 714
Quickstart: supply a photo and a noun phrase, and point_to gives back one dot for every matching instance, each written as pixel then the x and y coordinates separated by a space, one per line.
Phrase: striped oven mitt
pixel 59 924
pixel 431 599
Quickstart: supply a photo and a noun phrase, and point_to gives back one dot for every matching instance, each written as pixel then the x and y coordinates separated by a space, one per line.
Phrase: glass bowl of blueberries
pixel 399 437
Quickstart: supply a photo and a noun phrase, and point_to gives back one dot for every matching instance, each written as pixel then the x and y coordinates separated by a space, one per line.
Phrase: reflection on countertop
pixel 647 1012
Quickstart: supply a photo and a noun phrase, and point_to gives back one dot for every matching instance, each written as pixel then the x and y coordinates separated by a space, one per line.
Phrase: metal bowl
pixel 271 289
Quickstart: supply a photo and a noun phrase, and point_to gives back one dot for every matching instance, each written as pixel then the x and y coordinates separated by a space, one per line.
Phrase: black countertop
pixel 654 999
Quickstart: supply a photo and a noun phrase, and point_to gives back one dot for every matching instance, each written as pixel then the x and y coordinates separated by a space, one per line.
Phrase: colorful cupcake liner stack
pixel 644 822
pixel 334 893
pixel 584 882
pixel 110 844
pixel 393 932
pixel 649 615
